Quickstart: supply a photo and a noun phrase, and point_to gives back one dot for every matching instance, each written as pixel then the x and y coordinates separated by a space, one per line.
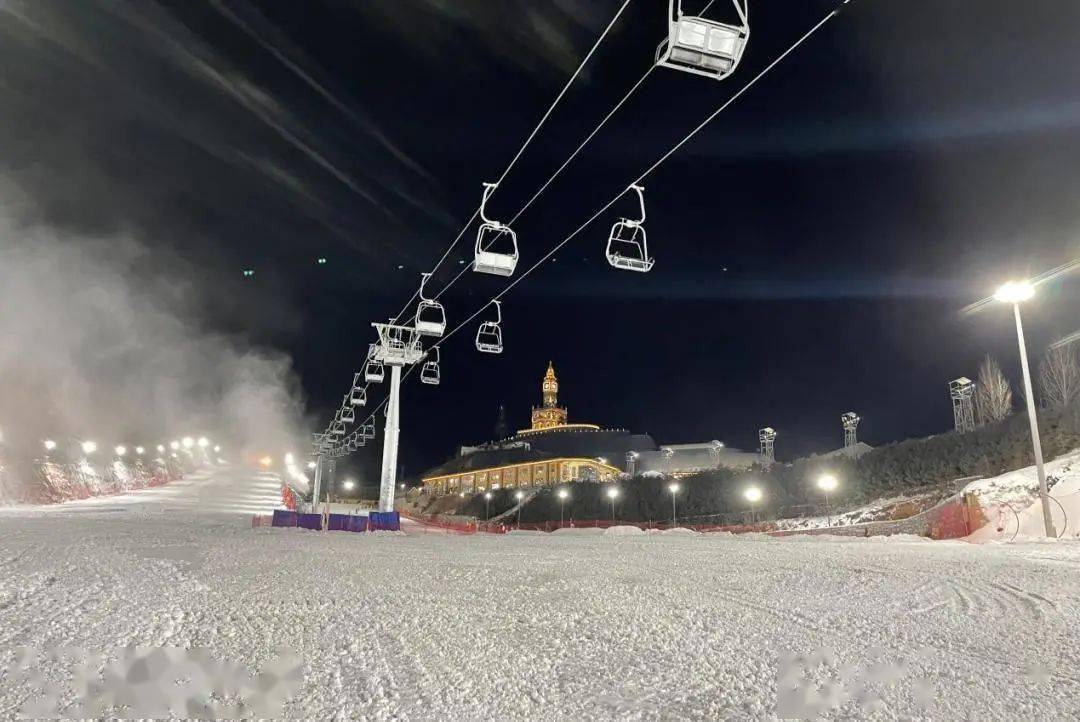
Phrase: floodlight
pixel 1015 292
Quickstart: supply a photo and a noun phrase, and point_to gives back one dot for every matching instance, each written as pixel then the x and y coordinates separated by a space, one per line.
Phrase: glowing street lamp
pixel 563 496
pixel 121 450
pixel 203 442
pixel 487 506
pixel 140 450
pixel 753 495
pixel 161 448
pixel 49 444
pixel 348 485
pixel 89 447
pixel 187 442
pixel 674 489
pixel 827 483
pixel 1016 292
pixel 217 449
pixel 519 495
pixel 613 494
pixel 174 445
pixel 311 465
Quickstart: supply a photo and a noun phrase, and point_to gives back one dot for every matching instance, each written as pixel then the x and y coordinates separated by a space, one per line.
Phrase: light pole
pixel 487 506
pixel 753 495
pixel 563 494
pixel 827 483
pixel 519 495
pixel 1016 292
pixel 673 488
pixel 613 494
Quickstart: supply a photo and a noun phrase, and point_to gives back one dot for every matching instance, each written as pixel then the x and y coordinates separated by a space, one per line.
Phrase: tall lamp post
pixel 753 495
pixel 673 488
pixel 613 494
pixel 519 496
pixel 1016 292
pixel 487 507
pixel 563 495
pixel 827 483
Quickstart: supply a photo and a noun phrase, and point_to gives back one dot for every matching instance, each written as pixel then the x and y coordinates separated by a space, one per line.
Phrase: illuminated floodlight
pixel 613 492
pixel 487 496
pixel 348 485
pixel 311 465
pixel 266 461
pixel 120 450
pixel 519 495
pixel 1015 292
pixel 673 488
pixel 289 458
pixel 187 442
pixel 140 450
pixel 563 493
pixel 203 442
pixel 827 482
pixel 49 444
pixel 217 449
pixel 174 445
pixel 753 494
pixel 161 448
pixel 89 447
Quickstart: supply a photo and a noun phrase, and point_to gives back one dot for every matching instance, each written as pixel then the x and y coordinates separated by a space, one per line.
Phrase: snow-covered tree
pixel 1059 376
pixel 993 395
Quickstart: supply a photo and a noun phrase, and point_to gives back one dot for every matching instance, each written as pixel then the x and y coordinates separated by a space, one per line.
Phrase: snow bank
pixel 1011 503
pixel 680 531
pixel 574 531
pixel 623 531
pixel 526 532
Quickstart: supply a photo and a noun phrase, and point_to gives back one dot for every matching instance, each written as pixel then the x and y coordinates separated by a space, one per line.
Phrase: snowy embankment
pixel 555 626
pixel 1011 501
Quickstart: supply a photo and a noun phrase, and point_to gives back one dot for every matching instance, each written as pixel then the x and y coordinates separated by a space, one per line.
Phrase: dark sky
pixel 814 244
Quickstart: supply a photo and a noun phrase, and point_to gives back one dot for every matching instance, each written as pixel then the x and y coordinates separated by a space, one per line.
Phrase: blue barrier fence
pixel 376 521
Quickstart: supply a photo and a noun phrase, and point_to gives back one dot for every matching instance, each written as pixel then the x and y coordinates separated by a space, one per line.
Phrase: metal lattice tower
pixel 767 440
pixel 850 420
pixel 962 391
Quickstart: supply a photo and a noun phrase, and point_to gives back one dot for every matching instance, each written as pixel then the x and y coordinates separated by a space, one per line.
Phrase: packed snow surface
pixel 435 626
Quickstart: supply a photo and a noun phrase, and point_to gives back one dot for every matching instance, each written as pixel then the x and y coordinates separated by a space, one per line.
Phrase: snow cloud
pixel 102 339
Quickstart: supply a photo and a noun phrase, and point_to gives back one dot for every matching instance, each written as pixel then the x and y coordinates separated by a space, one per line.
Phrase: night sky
pixel 813 245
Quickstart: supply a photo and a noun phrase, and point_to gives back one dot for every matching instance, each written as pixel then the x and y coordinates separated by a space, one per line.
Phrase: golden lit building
pixel 552 451
pixel 550 414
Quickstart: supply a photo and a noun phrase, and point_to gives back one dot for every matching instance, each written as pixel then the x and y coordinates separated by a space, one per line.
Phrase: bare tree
pixel 993 395
pixel 1059 376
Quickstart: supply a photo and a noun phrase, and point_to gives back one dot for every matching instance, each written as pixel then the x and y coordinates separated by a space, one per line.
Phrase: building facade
pixel 523 474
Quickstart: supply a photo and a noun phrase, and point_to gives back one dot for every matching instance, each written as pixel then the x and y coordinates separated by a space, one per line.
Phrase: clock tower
pixel 550 414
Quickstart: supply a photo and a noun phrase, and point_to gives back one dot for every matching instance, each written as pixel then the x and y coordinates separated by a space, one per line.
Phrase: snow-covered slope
pixel 554 626
pixel 1012 499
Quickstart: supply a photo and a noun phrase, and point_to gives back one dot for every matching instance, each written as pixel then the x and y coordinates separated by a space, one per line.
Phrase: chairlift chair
pixel 373 371
pixel 368 431
pixel 430 314
pixel 489 335
pixel 358 394
pixel 496 243
pixel 338 429
pixel 703 46
pixel 627 246
pixel 430 374
pixel 347 413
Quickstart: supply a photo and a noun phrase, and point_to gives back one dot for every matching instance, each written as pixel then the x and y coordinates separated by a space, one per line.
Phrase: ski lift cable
pixel 749 84
pixel 806 36
pixel 562 93
pixel 519 153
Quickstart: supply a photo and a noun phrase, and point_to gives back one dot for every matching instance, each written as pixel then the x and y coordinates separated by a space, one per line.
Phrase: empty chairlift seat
pixel 489 334
pixel 704 46
pixel 496 244
pixel 430 314
pixel 627 246
pixel 429 373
